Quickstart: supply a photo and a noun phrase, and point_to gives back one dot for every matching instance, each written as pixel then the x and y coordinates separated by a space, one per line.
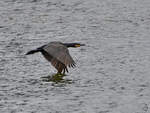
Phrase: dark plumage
pixel 58 54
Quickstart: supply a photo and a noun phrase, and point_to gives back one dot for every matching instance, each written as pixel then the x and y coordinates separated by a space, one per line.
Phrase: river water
pixel 112 73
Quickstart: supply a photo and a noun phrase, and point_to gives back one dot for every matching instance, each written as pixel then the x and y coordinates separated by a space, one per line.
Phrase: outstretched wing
pixel 60 52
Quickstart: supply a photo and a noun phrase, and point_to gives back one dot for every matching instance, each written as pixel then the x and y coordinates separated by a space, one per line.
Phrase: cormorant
pixel 58 54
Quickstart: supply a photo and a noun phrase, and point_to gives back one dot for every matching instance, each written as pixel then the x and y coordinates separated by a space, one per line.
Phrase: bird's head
pixel 78 44
pixel 73 44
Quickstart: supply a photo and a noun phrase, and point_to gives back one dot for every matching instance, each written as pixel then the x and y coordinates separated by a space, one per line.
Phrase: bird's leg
pixel 59 72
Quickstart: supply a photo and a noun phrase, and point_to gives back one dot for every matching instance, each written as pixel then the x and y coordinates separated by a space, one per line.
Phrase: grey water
pixel 112 73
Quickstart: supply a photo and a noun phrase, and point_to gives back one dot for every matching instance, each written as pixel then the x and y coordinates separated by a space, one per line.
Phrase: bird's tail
pixel 33 51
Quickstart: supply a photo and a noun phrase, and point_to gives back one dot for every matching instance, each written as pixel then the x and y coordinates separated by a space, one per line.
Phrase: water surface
pixel 112 73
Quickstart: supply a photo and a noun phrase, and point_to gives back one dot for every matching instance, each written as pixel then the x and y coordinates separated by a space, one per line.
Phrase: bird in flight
pixel 58 54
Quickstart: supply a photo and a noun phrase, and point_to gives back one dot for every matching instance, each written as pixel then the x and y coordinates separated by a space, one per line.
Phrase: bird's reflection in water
pixel 56 78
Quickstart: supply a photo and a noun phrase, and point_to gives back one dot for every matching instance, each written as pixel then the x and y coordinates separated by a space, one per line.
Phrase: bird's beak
pixel 78 45
pixel 82 44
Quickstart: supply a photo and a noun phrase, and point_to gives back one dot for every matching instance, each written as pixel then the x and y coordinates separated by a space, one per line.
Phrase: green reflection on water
pixel 57 78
